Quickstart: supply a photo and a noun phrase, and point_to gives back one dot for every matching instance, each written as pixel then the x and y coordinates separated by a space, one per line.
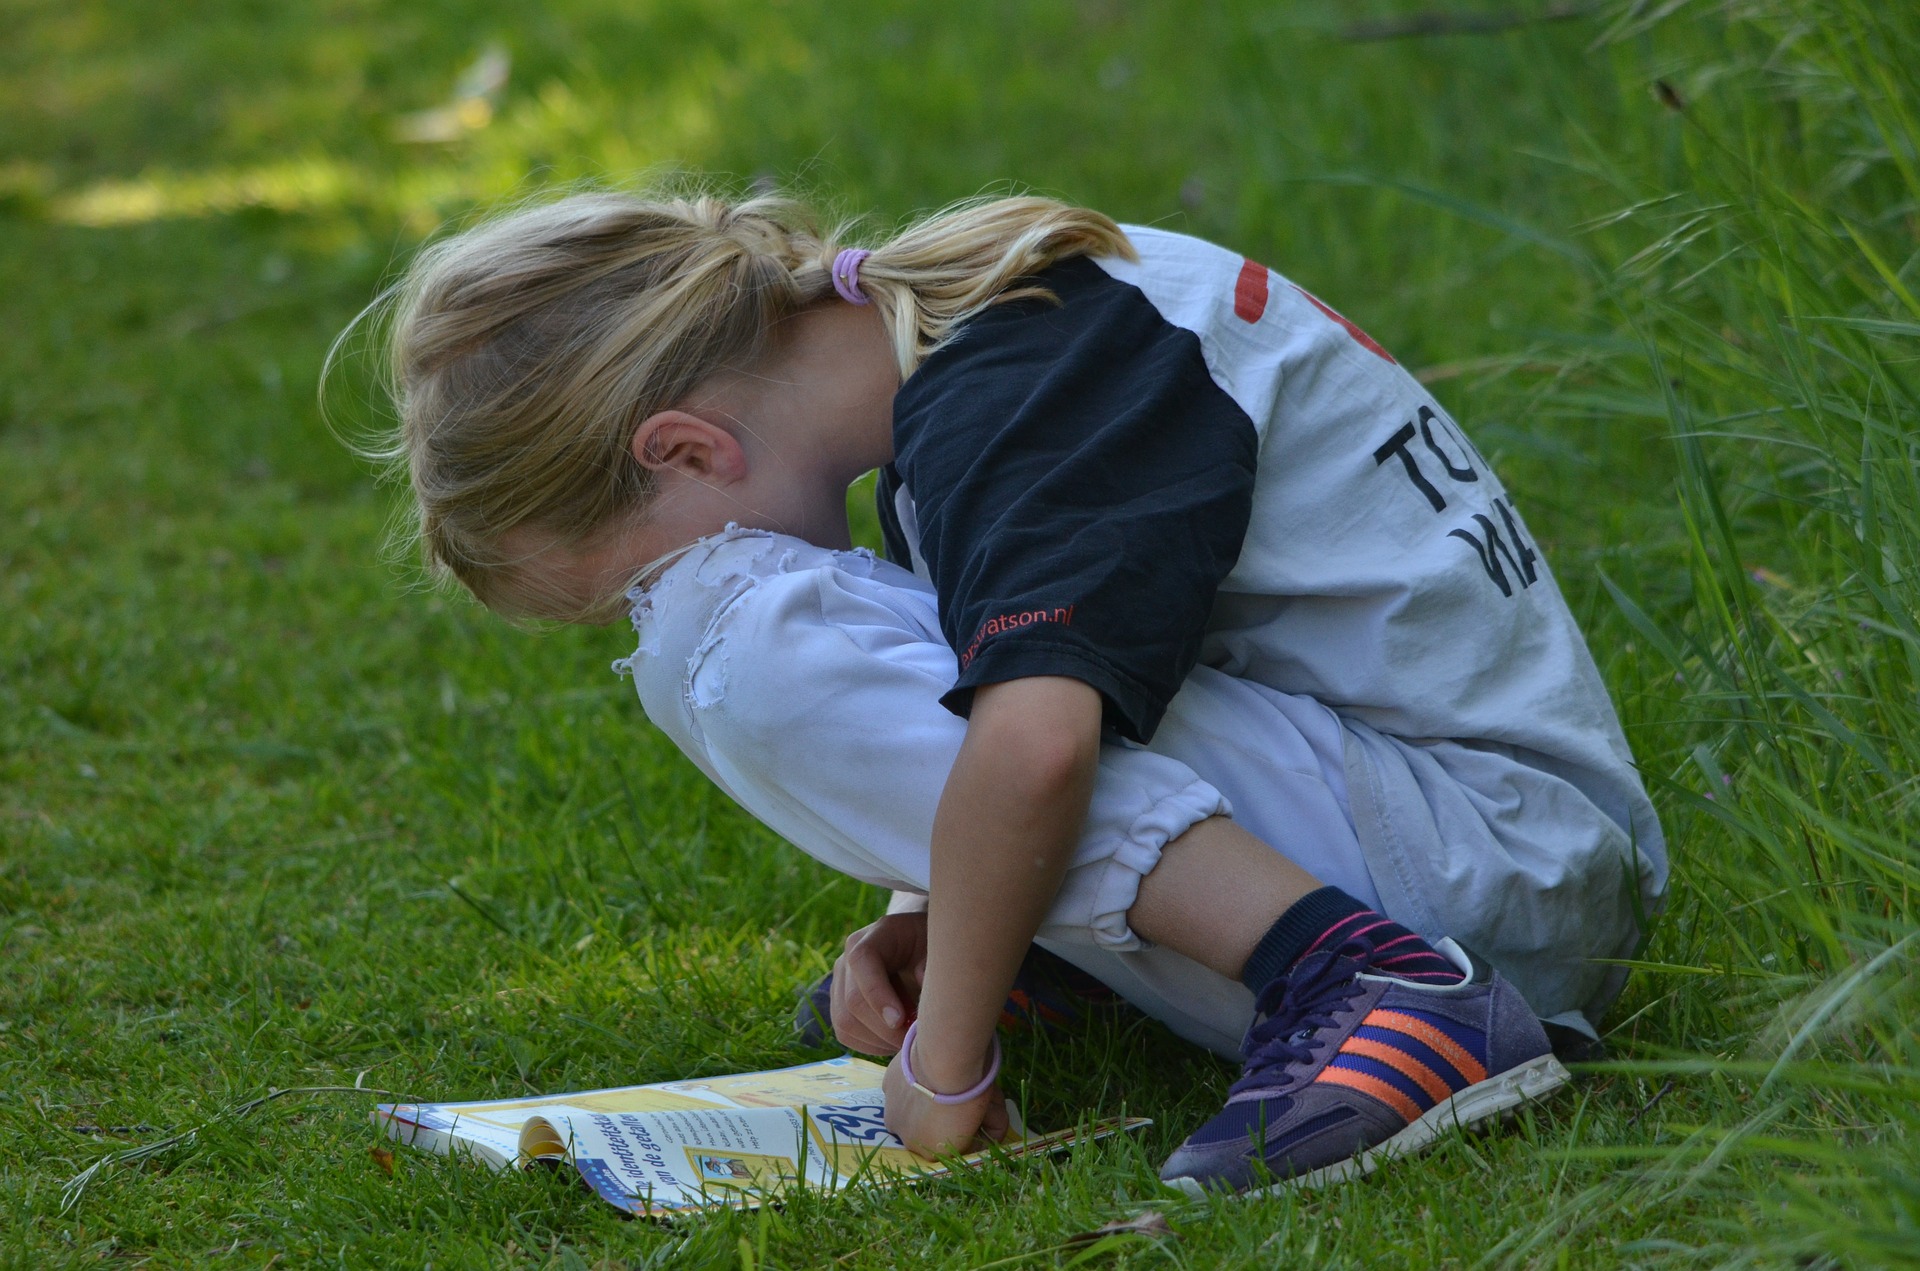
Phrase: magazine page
pixel 664 1162
pixel 490 1129
pixel 675 1146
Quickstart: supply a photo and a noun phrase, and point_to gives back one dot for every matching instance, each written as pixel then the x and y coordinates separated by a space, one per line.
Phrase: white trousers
pixel 806 683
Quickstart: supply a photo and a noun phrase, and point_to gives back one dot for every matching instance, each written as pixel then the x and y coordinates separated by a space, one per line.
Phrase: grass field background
pixel 269 818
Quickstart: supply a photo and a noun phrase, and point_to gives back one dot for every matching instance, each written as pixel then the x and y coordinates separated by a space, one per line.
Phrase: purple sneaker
pixel 1048 993
pixel 1345 1068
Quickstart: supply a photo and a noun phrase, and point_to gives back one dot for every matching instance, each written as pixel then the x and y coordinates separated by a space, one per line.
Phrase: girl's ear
pixel 675 441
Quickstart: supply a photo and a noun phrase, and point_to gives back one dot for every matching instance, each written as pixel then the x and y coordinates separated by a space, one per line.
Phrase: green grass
pixel 270 818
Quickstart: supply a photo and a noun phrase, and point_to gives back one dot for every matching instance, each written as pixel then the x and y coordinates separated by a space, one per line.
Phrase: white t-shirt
pixel 1191 461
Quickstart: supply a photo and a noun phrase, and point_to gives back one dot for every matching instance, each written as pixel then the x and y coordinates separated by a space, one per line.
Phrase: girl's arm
pixel 1008 822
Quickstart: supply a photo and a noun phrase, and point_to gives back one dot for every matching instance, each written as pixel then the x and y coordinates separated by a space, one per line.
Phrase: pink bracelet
pixel 965 1096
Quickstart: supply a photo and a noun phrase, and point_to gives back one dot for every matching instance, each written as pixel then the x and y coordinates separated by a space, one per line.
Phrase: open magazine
pixel 677 1146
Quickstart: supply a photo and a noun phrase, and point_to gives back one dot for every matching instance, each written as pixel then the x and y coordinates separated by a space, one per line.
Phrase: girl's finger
pixel 872 985
pixel 995 1124
pixel 856 1024
pixel 848 1029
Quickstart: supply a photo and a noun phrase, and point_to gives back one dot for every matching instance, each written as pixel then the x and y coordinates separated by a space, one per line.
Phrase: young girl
pixel 1225 665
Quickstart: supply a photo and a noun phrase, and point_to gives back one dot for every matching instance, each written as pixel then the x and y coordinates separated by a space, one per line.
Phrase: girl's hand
pixel 876 983
pixel 939 1129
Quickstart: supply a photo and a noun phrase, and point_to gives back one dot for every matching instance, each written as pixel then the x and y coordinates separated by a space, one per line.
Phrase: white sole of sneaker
pixel 1477 1103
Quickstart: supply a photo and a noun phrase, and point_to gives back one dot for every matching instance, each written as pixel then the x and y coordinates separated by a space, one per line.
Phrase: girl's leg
pixel 1213 895
pixel 806 683
pixel 1215 891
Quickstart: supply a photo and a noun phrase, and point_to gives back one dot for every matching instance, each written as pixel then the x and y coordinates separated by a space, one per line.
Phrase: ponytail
pixel 523 353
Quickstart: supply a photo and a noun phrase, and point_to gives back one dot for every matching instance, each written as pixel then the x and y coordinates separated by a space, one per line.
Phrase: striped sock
pixel 1326 919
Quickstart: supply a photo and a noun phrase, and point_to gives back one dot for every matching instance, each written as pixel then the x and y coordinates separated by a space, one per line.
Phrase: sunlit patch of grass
pixel 310 185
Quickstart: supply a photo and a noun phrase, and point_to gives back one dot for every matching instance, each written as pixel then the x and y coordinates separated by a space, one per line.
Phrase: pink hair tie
pixel 846 275
pixel 965 1096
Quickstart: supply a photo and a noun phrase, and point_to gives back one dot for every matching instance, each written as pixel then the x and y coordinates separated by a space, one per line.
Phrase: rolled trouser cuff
pixel 1091 906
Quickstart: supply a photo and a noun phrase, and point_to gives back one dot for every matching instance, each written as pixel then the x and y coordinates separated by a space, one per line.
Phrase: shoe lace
pixel 1291 1009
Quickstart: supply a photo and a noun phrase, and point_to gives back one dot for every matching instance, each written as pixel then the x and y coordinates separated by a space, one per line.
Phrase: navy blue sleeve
pixel 893 536
pixel 1082 486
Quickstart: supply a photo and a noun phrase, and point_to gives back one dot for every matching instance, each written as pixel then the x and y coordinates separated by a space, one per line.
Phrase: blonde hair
pixel 523 353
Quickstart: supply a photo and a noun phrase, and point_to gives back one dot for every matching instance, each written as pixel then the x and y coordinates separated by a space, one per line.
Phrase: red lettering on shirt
pixel 1062 615
pixel 1366 341
pixel 1250 291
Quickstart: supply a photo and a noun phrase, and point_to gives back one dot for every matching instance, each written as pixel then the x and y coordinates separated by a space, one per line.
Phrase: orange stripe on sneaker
pixel 1435 1040
pixel 1400 1061
pixel 1379 1089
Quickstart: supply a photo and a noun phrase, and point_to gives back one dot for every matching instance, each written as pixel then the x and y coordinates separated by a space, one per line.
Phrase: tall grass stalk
pixel 1773 277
